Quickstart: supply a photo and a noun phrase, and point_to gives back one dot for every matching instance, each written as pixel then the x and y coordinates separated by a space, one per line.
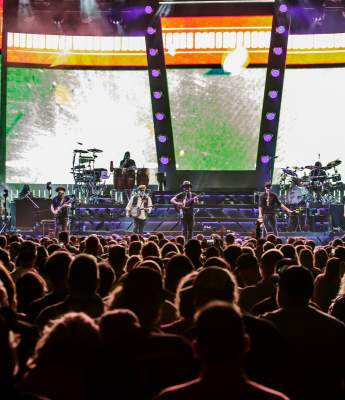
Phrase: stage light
pixel 160 116
pixel 283 8
pixel 265 159
pixel 275 73
pixel 155 73
pixel 157 94
pixel 164 160
pixel 273 94
pixel 270 116
pixel 278 51
pixel 162 138
pixel 280 29
pixel 148 10
pixel 268 137
pixel 153 52
pixel 151 30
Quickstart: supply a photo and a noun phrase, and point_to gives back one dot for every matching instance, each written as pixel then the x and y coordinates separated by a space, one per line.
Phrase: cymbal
pixel 334 163
pixel 95 150
pixel 309 167
pixel 288 171
pixel 79 167
pixel 80 151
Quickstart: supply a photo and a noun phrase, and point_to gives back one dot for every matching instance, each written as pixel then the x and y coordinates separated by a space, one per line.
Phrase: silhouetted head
pixel 295 287
pixel 268 262
pixel 178 266
pixel 220 335
pixel 57 267
pixel 83 275
pixel 142 293
pixel 27 254
pixel 214 283
pixel 92 245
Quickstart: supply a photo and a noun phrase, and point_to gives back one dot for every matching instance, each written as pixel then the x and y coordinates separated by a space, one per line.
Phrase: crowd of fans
pixel 138 317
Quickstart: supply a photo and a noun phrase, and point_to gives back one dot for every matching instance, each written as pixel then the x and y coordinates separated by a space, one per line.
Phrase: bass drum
pixel 143 176
pixel 129 178
pixel 119 179
pixel 296 195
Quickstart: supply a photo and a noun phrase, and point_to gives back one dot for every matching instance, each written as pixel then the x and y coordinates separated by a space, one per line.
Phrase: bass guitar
pixel 185 204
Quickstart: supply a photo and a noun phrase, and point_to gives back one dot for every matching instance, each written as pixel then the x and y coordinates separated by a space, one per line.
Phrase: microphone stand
pixel 36 213
pixel 27 196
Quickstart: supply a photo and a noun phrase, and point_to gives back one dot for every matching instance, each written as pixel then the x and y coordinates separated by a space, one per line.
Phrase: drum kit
pixel 88 180
pixel 311 184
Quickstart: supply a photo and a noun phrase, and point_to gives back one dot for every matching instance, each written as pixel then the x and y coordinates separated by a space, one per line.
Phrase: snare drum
pixel 143 176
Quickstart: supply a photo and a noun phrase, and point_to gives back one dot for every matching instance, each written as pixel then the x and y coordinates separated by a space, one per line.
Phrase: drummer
pixel 317 177
pixel 317 171
pixel 127 162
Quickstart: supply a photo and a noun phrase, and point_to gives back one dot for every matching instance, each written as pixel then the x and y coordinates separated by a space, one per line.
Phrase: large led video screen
pixel 50 111
pixel 194 41
pixel 312 119
pixel 216 118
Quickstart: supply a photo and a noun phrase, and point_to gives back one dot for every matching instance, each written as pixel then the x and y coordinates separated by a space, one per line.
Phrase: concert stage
pixel 217 213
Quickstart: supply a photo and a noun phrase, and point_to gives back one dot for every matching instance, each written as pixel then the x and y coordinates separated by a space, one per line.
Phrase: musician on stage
pixel 59 207
pixel 317 172
pixel 139 207
pixel 185 201
pixel 268 206
pixel 127 162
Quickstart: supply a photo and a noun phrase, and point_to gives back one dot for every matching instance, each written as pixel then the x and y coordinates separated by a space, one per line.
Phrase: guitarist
pixel 185 201
pixel 59 207
pixel 139 206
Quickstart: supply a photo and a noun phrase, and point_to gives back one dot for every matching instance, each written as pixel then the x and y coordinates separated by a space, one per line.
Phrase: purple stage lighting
pixel 148 10
pixel 265 159
pixel 275 73
pixel 155 73
pixel 160 116
pixel 153 52
pixel 162 139
pixel 157 94
pixel 268 137
pixel 278 51
pixel 164 160
pixel 270 116
pixel 273 94
pixel 283 8
pixel 151 30
pixel 280 29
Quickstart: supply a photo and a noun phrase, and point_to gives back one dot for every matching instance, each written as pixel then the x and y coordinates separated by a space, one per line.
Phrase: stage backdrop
pixel 49 111
pixel 312 118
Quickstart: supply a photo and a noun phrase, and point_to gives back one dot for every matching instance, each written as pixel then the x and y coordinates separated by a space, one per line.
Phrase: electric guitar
pixel 185 204
pixel 58 210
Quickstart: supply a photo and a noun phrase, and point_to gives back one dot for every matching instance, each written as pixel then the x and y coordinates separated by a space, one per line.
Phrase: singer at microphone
pixel 268 206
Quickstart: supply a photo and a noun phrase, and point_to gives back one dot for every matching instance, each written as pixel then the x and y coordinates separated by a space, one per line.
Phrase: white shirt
pixel 140 204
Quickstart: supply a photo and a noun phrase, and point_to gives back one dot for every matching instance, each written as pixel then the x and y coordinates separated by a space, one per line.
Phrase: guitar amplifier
pixel 24 215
